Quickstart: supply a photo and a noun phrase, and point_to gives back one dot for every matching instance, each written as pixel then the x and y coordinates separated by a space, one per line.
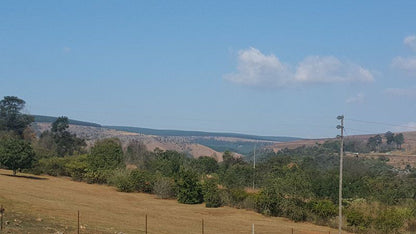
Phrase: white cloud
pixel 328 69
pixel 411 126
pixel 260 70
pixel 257 69
pixel 409 92
pixel 359 98
pixel 405 63
pixel 410 41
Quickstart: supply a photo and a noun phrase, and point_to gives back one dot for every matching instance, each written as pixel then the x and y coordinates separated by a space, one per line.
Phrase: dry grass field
pixel 44 204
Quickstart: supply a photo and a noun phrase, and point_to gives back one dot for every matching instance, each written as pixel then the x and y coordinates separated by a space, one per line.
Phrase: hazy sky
pixel 258 67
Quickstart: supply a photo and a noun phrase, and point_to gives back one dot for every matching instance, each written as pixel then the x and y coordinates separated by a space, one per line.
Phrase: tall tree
pixel 15 153
pixel 11 118
pixel 399 139
pixel 389 137
pixel 374 142
pixel 66 143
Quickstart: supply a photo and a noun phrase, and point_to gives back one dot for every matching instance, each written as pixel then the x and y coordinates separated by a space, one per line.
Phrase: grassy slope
pixel 104 210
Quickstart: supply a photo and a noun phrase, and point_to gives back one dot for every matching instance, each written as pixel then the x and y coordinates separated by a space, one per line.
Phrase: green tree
pixel 389 137
pixel 66 143
pixel 399 139
pixel 106 154
pixel 212 195
pixel 189 188
pixel 15 153
pixel 11 118
pixel 374 142
pixel 205 165
pixel 60 125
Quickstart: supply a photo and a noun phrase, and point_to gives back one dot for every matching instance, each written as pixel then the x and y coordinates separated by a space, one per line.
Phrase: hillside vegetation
pixel 300 183
pixel 45 204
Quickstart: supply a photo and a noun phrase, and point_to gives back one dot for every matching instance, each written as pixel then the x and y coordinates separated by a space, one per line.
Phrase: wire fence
pixel 80 227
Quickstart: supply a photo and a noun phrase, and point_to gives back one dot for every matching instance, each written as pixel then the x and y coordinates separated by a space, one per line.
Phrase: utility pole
pixel 254 165
pixel 340 117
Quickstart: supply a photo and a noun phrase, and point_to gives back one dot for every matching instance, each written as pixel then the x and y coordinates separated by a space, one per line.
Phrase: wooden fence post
pixel 78 223
pixel 1 221
pixel 293 231
pixel 145 224
pixel 203 226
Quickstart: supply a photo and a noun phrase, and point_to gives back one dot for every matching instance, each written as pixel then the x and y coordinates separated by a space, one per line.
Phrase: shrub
pixel 324 209
pixel 391 220
pixel 98 177
pixel 212 196
pixel 52 166
pixel 294 209
pixel 189 188
pixel 142 181
pixel 121 180
pixel 77 167
pixel 106 154
pixel 164 187
pixel 358 219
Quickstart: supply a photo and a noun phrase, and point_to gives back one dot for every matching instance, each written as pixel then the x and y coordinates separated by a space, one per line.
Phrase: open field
pixel 44 204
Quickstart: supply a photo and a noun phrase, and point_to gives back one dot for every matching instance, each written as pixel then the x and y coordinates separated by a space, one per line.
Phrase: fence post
pixel 1 221
pixel 293 230
pixel 145 224
pixel 203 226
pixel 252 228
pixel 78 223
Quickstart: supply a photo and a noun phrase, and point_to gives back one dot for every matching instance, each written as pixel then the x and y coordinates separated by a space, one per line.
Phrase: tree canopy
pixel 11 116
pixel 15 153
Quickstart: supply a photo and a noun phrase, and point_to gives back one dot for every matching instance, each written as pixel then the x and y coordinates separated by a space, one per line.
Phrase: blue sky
pixel 258 67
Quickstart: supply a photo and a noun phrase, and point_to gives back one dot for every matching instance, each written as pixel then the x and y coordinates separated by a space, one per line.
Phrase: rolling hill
pixel 195 143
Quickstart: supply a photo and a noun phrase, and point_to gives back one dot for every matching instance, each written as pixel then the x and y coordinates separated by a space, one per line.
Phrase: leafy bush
pixel 189 188
pixel 164 187
pixel 77 167
pixel 142 181
pixel 98 177
pixel 324 209
pixel 212 196
pixel 121 180
pixel 358 219
pixel 390 220
pixel 54 166
pixel 106 154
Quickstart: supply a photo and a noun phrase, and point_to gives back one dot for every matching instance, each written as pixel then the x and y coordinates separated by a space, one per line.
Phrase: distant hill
pixel 50 119
pixel 156 132
pixel 187 141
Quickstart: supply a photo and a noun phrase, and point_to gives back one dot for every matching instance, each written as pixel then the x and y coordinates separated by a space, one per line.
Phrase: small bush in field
pixel 324 209
pixel 142 181
pixel 189 188
pixel 77 167
pixel 54 166
pixel 211 192
pixel 164 187
pixel 121 180
pixel 391 220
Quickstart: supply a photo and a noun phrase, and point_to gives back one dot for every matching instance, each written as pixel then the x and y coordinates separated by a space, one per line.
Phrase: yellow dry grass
pixel 104 210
